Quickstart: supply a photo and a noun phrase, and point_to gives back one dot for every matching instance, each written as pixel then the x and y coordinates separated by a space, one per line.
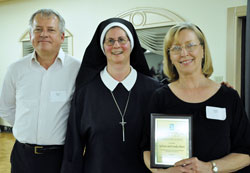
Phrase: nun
pixel 108 113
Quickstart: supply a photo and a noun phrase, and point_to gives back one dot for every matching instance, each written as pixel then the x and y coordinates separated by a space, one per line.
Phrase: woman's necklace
pixel 122 115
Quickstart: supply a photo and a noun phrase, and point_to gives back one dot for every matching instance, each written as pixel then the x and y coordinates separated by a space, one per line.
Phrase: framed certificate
pixel 171 139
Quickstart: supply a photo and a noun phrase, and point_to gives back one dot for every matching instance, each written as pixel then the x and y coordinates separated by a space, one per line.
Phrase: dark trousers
pixel 25 160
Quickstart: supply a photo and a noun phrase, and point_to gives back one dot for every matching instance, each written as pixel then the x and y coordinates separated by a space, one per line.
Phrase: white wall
pixel 83 16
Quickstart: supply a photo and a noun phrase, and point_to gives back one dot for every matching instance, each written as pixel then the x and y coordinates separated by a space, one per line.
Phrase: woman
pixel 220 140
pixel 108 109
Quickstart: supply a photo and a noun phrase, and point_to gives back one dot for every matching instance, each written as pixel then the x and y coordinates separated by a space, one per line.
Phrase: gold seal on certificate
pixel 171 139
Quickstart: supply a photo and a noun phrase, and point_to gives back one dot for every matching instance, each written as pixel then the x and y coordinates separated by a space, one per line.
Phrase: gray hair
pixel 48 13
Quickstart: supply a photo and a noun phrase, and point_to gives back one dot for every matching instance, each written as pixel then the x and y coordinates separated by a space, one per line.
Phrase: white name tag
pixel 57 96
pixel 215 113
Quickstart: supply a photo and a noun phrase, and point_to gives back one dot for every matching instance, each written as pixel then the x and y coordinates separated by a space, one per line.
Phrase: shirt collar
pixel 60 56
pixel 111 83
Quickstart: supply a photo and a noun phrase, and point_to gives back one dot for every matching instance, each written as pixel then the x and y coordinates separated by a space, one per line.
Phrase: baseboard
pixel 5 129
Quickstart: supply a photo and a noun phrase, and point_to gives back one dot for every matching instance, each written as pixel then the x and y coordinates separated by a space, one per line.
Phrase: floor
pixel 6 143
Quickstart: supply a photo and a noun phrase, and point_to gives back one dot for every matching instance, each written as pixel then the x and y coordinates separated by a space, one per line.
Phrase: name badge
pixel 57 96
pixel 215 113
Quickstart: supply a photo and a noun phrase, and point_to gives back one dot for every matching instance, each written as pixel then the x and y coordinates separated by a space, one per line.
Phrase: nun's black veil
pixel 94 59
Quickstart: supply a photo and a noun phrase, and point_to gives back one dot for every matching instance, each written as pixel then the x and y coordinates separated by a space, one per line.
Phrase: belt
pixel 42 149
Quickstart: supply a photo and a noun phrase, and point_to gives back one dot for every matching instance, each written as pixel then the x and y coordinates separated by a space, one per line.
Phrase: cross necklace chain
pixel 122 115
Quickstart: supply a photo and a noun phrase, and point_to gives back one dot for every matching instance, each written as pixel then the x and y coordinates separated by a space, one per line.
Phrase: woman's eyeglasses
pixel 176 50
pixel 120 40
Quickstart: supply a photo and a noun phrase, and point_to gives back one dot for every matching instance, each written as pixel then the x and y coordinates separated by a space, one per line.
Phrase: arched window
pixel 151 25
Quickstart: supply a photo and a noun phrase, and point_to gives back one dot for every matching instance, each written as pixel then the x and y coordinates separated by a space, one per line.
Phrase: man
pixel 36 94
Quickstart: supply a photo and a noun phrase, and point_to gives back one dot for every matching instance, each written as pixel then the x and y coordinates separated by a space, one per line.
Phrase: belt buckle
pixel 35 149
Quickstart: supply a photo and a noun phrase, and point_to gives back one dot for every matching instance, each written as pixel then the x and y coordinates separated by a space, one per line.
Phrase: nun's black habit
pixel 94 118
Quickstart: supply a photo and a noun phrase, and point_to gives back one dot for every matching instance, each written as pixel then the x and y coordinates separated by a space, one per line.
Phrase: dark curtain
pixel 247 62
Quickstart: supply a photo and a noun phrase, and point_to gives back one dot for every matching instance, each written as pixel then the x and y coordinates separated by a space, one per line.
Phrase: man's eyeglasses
pixel 121 41
pixel 190 47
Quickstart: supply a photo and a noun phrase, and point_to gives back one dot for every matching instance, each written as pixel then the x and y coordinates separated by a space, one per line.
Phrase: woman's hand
pixel 195 165
pixel 175 169
pixel 227 84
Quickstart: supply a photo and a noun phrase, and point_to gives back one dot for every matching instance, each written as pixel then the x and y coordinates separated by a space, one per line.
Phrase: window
pixel 151 25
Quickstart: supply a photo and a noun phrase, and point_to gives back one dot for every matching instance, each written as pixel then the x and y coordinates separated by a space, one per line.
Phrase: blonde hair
pixel 171 36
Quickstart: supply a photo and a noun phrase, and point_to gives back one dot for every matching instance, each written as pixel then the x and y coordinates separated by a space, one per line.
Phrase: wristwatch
pixel 214 167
